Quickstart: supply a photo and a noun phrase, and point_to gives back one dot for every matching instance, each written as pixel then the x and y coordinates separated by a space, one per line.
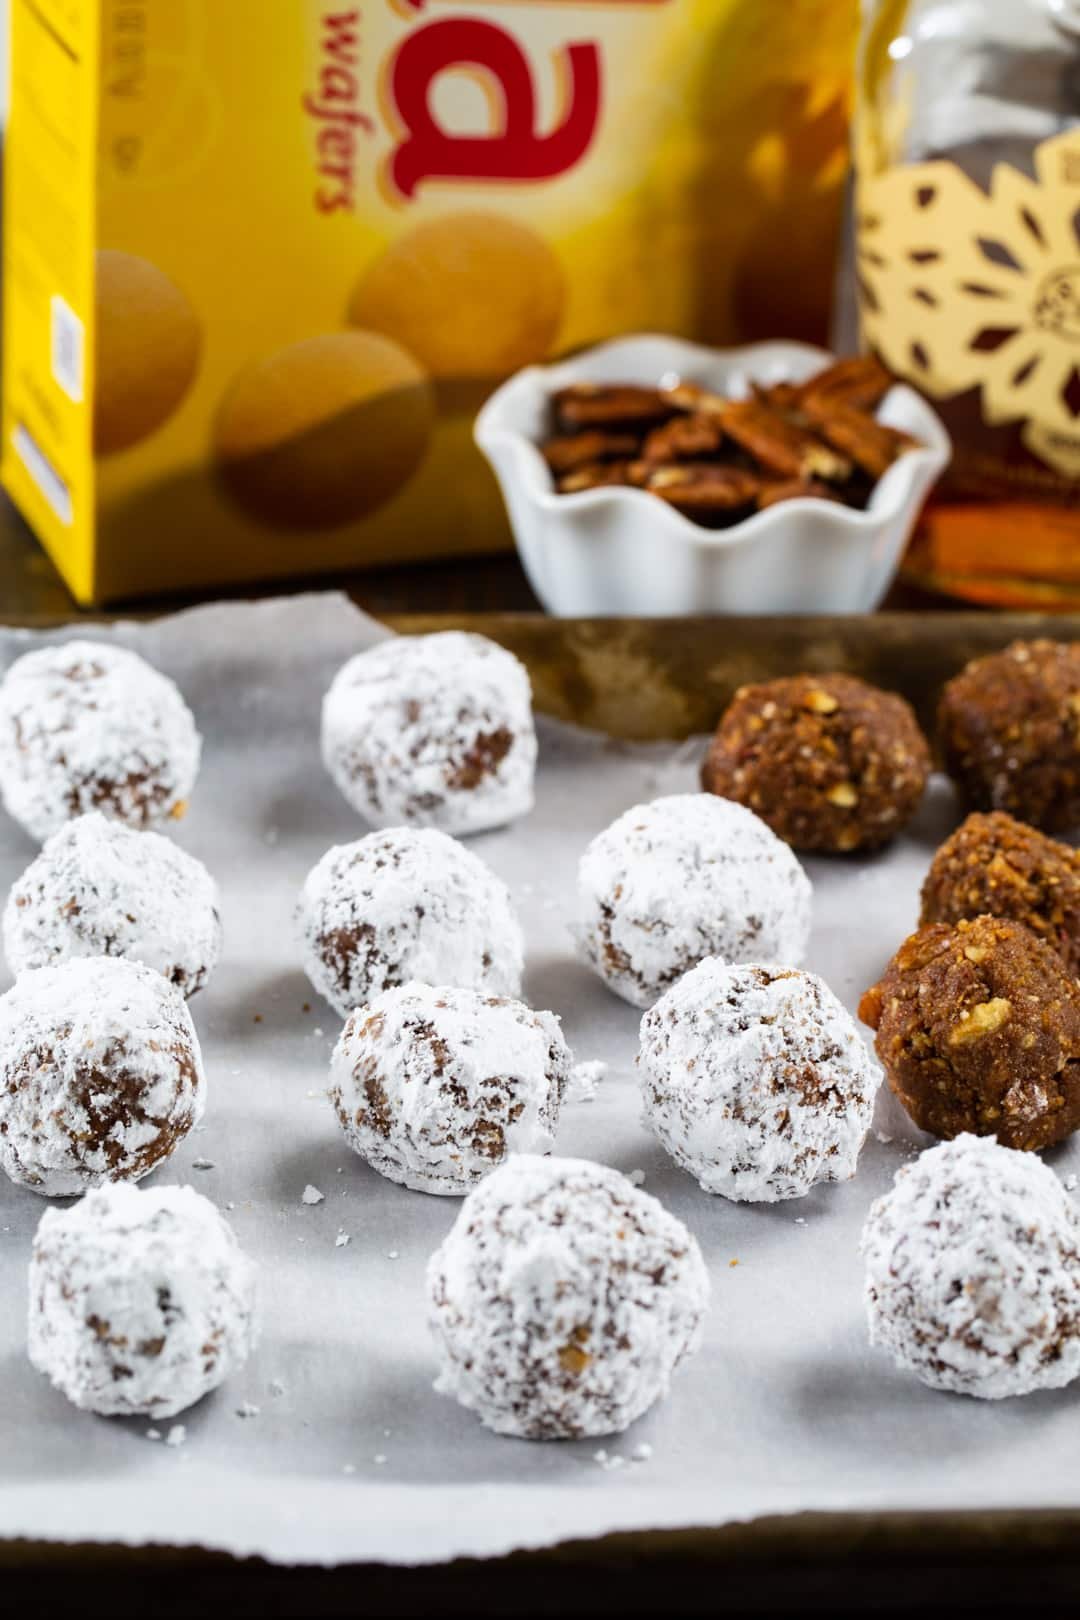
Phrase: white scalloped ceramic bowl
pixel 624 551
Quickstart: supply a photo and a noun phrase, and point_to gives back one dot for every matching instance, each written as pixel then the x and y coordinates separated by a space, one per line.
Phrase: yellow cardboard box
pixel 264 258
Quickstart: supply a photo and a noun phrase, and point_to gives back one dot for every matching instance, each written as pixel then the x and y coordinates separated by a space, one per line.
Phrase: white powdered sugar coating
pixel 140 1302
pixel 86 725
pixel 756 1080
pixel 683 878
pixel 435 731
pixel 100 889
pixel 100 1075
pixel 562 1300
pixel 408 903
pixel 435 1087
pixel 973 1271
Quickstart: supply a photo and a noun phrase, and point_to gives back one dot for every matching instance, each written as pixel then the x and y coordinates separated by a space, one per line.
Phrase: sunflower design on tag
pixel 961 288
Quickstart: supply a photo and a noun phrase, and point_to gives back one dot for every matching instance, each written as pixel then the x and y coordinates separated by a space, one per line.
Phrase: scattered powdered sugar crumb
pixel 585 1079
pixel 341 1240
pixel 800 1220
pixel 636 1178
pixel 153 1434
pixel 641 1453
pixel 349 1468
pixel 380 1457
pixel 391 1254
pixel 230 1205
pixel 202 1164
pixel 277 1387
pixel 1070 1183
pixel 311 1195
pixel 248 1409
pixel 176 1435
pixel 883 1137
pixel 608 1460
pixel 317 1032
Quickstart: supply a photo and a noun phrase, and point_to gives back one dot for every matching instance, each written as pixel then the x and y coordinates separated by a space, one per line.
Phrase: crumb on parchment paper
pixel 585 1080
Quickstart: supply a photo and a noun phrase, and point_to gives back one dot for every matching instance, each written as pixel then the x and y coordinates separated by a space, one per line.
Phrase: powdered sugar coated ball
pixel 973 1271
pixel 140 1302
pixel 435 731
pixel 682 878
pixel 435 1087
pixel 100 1075
pixel 100 889
pixel 86 725
pixel 563 1300
pixel 756 1081
pixel 408 903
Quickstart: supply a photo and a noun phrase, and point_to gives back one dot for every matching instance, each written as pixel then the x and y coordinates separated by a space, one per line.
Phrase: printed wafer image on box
pixel 265 260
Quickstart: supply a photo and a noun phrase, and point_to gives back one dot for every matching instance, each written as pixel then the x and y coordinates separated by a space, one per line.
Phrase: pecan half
pixel 594 475
pixel 704 491
pixel 794 489
pixel 568 452
pixel 869 443
pixel 779 444
pixel 860 382
pixel 593 405
pixel 687 396
pixel 684 438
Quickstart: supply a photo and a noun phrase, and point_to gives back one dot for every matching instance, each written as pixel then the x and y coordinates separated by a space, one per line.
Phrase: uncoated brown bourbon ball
pixel 830 762
pixel 997 866
pixel 978 1028
pixel 1010 732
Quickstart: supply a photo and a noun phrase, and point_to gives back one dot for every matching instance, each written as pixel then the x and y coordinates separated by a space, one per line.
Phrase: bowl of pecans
pixel 652 476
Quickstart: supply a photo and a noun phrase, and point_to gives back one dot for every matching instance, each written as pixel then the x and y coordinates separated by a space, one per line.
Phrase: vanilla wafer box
pixel 264 259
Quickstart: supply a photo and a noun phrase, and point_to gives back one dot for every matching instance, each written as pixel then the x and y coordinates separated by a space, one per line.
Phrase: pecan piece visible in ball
pixel 978 1028
pixel 1010 732
pixel 830 762
pixel 997 866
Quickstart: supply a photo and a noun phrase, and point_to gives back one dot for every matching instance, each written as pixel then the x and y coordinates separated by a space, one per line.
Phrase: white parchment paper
pixel 350 1455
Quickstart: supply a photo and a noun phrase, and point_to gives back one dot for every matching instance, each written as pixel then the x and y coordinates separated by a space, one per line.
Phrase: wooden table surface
pixel 30 587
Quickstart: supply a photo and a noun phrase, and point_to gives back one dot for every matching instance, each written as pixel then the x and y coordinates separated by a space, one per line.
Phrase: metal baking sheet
pixel 351 1457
